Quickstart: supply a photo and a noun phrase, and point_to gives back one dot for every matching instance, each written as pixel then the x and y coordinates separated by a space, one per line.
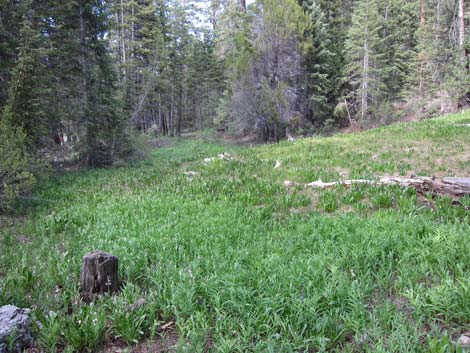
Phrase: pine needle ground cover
pixel 240 263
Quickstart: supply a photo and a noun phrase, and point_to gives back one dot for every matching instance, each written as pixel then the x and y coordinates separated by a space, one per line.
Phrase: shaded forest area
pixel 92 75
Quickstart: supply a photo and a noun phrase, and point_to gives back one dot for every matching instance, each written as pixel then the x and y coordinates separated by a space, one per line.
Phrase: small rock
pixel 464 341
pixel 15 323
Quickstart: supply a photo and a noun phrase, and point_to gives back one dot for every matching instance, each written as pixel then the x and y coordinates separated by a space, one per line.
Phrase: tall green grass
pixel 242 263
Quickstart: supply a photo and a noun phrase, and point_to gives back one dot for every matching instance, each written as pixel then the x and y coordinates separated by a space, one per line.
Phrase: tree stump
pixel 99 274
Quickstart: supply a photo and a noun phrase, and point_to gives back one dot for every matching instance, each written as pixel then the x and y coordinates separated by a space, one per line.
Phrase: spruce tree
pixel 366 65
pixel 10 20
pixel 319 57
pixel 441 77
pixel 31 81
pixel 398 44
pixel 17 165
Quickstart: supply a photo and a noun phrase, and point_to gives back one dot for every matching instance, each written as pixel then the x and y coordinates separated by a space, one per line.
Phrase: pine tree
pixel 85 78
pixel 337 15
pixel 31 91
pixel 319 58
pixel 17 166
pixel 398 44
pixel 363 46
pixel 106 137
pixel 442 76
pixel 10 20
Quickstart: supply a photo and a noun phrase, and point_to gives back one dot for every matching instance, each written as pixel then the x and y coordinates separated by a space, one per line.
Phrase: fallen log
pixel 455 188
pixel 319 184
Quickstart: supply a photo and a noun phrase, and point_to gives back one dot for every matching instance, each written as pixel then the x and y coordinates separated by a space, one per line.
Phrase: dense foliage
pixel 86 74
pixel 17 166
pixel 229 260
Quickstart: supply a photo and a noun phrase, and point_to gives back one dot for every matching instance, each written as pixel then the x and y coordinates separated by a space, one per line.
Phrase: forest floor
pixel 222 257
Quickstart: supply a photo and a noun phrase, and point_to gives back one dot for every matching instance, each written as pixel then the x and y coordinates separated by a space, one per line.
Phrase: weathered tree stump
pixel 99 274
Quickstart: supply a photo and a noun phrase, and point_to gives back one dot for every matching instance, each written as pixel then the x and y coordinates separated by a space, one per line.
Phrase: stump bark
pixel 99 274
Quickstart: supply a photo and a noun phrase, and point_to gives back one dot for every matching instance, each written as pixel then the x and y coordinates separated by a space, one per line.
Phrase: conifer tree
pixel 441 75
pixel 363 47
pixel 17 165
pixel 319 61
pixel 337 15
pixel 10 20
pixel 398 44
pixel 31 92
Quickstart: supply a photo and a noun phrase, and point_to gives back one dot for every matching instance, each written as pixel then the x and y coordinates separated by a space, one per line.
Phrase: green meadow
pixel 223 257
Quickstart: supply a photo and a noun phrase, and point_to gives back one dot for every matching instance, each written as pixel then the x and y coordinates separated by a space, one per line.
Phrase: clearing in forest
pixel 228 259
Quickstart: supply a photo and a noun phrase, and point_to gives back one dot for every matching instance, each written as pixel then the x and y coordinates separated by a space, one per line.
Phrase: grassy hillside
pixel 240 263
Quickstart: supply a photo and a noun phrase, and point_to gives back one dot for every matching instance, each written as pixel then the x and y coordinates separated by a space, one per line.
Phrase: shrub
pixel 16 163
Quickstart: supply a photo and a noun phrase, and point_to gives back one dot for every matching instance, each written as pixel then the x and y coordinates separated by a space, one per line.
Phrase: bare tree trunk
pixel 179 118
pixel 179 121
pixel 140 103
pixel 165 124
pixel 144 120
pixel 352 122
pixel 85 72
pixel 153 119
pixel 213 15
pixel 422 16
pixel 171 116
pixel 161 116
pixel 84 50
pixel 201 116
pixel 123 38
pixel 462 29
pixel 131 69
pixel 365 77
pixel 385 33
pixel 132 28
pixel 197 102
pixel 243 5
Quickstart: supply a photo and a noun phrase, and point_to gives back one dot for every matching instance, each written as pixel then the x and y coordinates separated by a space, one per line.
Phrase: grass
pixel 241 263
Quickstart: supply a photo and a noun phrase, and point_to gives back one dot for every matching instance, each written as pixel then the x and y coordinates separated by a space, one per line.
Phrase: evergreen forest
pixel 257 175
